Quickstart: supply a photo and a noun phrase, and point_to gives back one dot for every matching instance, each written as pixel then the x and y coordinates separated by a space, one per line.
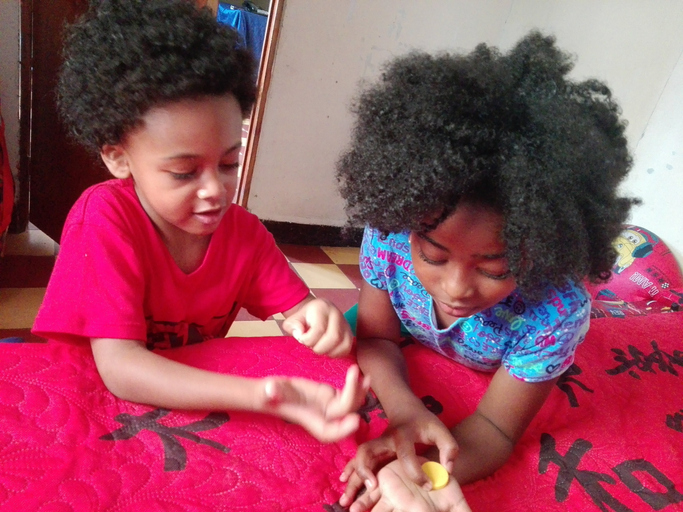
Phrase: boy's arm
pixel 318 324
pixel 131 372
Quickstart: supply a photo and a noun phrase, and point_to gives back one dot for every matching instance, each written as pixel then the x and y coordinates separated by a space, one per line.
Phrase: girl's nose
pixel 458 284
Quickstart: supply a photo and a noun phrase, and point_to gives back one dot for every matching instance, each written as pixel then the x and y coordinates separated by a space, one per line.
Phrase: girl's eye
pixel 498 277
pixel 429 261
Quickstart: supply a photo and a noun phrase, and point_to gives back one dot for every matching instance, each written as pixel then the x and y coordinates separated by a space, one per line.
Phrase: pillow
pixel 645 278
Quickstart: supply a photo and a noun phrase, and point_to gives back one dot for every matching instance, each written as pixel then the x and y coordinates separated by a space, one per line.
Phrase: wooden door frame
pixel 20 217
pixel 263 85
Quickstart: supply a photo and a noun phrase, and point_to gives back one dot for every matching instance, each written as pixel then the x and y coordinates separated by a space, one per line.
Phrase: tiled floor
pixel 330 272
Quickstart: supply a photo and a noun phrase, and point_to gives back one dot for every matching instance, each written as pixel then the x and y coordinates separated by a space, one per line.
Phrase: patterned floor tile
pixel 322 276
pixel 343 299
pixel 353 273
pixel 304 254
pixel 342 255
pixel 18 271
pixel 18 307
pixel 254 328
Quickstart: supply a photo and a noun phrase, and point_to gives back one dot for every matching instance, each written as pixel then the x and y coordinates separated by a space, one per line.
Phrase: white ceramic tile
pixel 254 328
pixel 343 255
pixel 321 275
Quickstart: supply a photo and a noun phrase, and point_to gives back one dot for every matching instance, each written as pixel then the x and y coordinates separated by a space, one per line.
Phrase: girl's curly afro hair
pixel 511 132
pixel 124 57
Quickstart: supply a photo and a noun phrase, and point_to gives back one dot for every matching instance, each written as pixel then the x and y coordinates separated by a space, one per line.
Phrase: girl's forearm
pixel 383 361
pixel 482 449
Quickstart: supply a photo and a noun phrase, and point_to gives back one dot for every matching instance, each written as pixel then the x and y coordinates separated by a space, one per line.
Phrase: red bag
pixel 6 182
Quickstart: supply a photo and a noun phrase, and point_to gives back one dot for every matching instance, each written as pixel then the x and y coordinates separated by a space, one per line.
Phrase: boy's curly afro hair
pixel 124 57
pixel 511 132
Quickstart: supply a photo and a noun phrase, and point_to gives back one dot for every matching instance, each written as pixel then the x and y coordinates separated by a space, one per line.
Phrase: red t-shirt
pixel 115 278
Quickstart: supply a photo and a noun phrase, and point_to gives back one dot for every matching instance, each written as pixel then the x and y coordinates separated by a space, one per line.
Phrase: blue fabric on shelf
pixel 251 26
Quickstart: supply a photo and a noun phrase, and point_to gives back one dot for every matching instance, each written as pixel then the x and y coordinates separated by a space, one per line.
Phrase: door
pixel 53 168
pixel 58 169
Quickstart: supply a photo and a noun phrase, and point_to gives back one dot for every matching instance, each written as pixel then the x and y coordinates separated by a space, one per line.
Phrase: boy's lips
pixel 209 216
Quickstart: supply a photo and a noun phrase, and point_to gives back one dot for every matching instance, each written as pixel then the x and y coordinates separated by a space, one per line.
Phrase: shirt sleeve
pixel 274 286
pixel 371 266
pixel 96 289
pixel 548 354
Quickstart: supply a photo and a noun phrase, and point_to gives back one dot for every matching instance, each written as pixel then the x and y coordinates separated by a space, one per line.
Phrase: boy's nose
pixel 211 185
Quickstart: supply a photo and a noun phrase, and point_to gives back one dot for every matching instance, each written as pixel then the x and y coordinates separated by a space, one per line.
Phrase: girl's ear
pixel 116 160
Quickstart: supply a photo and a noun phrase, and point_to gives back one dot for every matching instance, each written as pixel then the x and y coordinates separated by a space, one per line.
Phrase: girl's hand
pixel 326 413
pixel 396 492
pixel 318 324
pixel 398 441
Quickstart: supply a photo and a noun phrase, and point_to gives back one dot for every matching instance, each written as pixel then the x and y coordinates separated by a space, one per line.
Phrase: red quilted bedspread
pixel 609 438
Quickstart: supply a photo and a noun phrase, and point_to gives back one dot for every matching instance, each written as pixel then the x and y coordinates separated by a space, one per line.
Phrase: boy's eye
pixel 228 167
pixel 183 175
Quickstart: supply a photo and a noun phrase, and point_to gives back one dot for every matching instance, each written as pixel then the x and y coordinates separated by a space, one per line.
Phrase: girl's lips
pixel 459 312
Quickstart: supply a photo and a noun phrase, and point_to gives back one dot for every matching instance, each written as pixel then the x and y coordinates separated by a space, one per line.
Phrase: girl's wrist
pixel 404 408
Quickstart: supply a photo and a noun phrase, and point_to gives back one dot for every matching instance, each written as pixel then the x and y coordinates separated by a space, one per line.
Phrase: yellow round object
pixel 436 473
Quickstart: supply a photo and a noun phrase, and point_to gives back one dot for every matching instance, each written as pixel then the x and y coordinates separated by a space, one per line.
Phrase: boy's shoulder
pixel 106 200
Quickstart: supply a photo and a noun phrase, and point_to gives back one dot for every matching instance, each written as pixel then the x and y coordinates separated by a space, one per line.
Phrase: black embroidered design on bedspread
pixel 675 421
pixel 565 384
pixel 371 404
pixel 630 472
pixel 658 359
pixel 175 456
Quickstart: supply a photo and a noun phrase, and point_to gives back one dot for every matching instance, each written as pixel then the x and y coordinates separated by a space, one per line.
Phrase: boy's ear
pixel 116 160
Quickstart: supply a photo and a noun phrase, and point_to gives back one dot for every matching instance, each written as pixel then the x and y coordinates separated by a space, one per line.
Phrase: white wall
pixel 9 76
pixel 327 46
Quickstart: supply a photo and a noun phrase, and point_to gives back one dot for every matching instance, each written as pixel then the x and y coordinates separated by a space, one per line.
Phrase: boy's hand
pixel 396 492
pixel 398 441
pixel 326 413
pixel 318 324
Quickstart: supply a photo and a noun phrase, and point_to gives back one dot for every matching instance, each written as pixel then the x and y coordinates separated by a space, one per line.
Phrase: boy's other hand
pixel 318 324
pixel 396 492
pixel 327 413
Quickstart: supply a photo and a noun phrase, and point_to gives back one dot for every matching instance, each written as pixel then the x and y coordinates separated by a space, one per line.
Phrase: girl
pixel 159 257
pixel 487 184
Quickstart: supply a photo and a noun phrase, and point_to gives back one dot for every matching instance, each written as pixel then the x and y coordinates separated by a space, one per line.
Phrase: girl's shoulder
pixel 557 305
pixel 393 242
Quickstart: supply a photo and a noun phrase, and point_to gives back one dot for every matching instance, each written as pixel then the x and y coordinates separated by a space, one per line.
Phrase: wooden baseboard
pixel 306 234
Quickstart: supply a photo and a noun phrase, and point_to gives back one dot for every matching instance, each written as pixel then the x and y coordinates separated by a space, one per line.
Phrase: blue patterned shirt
pixel 535 341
